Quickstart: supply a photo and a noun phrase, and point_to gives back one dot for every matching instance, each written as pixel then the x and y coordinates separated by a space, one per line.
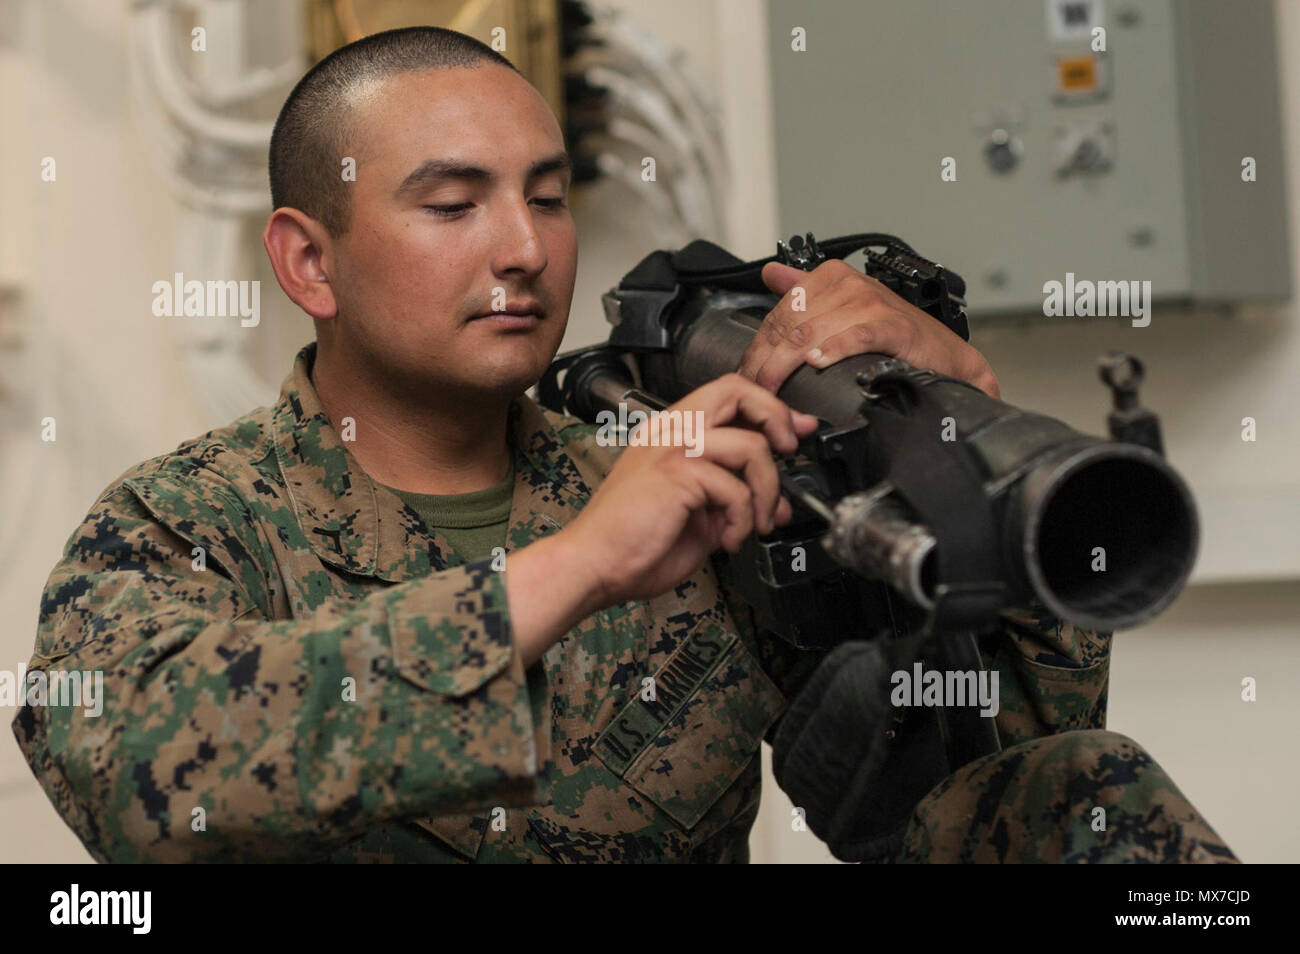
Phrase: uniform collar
pixel 357 525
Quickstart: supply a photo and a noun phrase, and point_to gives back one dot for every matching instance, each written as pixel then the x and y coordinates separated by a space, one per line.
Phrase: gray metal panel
pixel 1229 74
pixel 885 90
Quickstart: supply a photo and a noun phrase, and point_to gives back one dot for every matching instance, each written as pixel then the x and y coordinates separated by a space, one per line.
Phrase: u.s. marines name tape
pixel 641 719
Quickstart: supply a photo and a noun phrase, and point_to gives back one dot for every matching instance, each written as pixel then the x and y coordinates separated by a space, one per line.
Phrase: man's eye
pixel 448 209
pixel 551 203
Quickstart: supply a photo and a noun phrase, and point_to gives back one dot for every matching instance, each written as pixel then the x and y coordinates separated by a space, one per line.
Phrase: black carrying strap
pixel 703 263
pixel 941 482
pixel 943 486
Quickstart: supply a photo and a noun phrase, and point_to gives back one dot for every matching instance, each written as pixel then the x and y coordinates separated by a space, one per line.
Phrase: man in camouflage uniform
pixel 302 663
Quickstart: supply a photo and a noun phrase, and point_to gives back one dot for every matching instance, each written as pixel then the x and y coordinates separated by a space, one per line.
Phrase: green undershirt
pixel 471 523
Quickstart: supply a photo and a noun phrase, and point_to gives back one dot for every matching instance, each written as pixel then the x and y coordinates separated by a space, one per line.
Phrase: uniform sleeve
pixel 225 736
pixel 1053 676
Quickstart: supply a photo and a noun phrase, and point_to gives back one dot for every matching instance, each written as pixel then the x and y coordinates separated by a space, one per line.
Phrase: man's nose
pixel 517 246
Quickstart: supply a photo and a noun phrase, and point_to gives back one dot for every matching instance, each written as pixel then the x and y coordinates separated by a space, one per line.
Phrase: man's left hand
pixel 846 312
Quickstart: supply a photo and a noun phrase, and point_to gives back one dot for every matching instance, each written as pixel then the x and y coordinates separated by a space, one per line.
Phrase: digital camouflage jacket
pixel 293 671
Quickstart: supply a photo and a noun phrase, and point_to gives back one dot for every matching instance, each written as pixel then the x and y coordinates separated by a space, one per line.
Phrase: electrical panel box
pixel 1016 141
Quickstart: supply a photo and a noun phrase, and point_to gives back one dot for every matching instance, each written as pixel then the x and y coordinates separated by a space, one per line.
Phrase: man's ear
pixel 298 247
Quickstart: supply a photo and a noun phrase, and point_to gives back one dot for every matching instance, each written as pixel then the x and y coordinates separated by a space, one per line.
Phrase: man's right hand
pixel 660 513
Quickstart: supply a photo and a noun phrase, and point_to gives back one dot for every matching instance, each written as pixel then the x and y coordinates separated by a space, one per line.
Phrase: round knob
pixel 1002 151
pixel 1087 154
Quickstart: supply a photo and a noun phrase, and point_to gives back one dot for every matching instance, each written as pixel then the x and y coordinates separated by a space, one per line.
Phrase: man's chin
pixel 498 384
pixel 508 367
pixel 487 372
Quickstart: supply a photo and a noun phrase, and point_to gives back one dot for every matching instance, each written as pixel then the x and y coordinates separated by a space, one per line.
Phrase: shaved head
pixel 311 135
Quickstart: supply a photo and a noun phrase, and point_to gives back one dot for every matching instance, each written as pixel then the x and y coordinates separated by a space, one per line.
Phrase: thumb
pixel 781 278
pixel 805 424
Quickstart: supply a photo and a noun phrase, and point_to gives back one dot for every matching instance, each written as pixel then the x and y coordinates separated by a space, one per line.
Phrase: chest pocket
pixel 683 745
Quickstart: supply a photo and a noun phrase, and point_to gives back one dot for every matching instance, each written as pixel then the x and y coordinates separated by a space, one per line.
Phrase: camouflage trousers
pixel 1038 801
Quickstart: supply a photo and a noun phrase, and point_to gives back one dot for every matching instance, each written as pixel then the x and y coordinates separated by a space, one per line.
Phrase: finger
pixel 748 454
pixel 882 336
pixel 780 278
pixel 988 383
pixel 784 512
pixel 786 357
pixel 707 525
pixel 727 494
pixel 784 320
pixel 732 398
pixel 805 424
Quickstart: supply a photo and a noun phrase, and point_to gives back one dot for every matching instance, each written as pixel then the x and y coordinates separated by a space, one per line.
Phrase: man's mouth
pixel 516 314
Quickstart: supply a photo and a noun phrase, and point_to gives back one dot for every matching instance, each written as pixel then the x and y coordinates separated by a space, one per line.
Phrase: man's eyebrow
pixel 433 169
pixel 561 161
